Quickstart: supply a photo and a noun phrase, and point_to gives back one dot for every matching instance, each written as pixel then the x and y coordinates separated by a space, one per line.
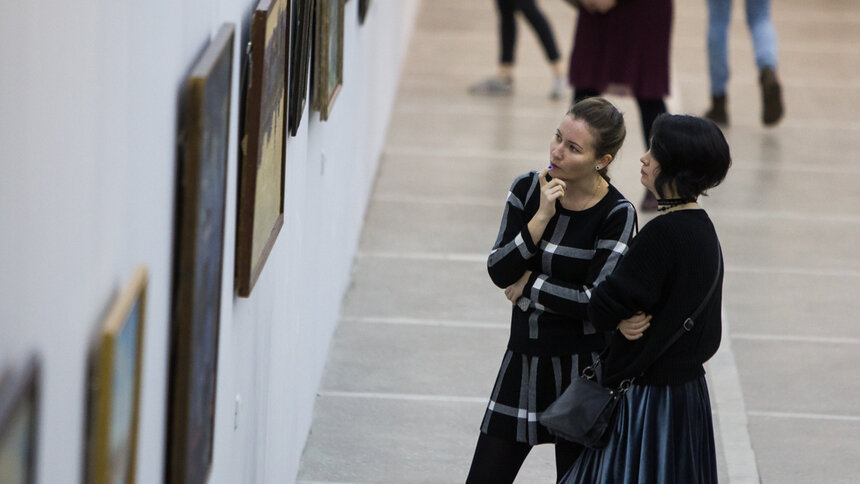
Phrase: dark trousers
pixel 508 28
pixel 649 109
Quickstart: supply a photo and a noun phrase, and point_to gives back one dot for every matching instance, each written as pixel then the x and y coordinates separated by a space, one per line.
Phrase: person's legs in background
pixel 764 44
pixel 582 93
pixel 719 16
pixel 496 460
pixel 649 109
pixel 543 30
pixel 502 84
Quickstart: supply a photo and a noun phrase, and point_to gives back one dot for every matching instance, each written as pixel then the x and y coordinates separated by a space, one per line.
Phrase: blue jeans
pixel 762 32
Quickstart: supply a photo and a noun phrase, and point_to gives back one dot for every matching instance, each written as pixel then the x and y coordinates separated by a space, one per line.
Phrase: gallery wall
pixel 89 95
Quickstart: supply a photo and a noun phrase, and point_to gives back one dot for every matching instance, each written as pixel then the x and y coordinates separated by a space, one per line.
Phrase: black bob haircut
pixel 692 152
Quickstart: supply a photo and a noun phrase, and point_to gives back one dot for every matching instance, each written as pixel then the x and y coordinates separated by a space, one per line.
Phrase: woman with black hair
pixel 664 431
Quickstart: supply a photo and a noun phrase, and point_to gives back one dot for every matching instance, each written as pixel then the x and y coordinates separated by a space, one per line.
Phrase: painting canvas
pixel 261 174
pixel 300 56
pixel 205 129
pixel 19 410
pixel 115 388
pixel 328 55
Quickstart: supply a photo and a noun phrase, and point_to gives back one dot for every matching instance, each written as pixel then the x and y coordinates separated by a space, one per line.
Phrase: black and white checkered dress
pixel 551 340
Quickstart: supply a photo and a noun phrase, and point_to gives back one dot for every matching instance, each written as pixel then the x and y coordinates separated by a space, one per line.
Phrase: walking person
pixel 623 47
pixel 502 84
pixel 764 44
pixel 562 233
pixel 673 271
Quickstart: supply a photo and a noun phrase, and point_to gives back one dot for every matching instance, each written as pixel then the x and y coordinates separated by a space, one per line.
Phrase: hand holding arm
pixel 634 327
pixel 598 6
pixel 515 291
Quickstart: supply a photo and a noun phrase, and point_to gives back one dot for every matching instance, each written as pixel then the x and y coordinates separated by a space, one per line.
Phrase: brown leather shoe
pixel 718 112
pixel 771 97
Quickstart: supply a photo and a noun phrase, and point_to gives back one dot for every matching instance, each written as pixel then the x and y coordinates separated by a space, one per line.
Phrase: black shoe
pixel 771 97
pixel 718 112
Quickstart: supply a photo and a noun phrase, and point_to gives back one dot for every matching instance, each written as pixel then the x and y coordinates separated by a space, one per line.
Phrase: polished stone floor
pixel 423 330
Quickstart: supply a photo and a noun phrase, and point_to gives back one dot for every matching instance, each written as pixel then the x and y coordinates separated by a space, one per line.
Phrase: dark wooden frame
pixel 205 132
pixel 101 464
pixel 20 391
pixel 300 59
pixel 327 30
pixel 265 119
pixel 363 6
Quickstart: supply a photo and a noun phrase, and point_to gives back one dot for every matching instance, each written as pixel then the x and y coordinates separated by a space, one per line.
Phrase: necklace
pixel 664 204
pixel 688 204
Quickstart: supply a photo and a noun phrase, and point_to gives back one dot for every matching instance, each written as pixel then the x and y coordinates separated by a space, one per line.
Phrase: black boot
pixel 718 112
pixel 771 97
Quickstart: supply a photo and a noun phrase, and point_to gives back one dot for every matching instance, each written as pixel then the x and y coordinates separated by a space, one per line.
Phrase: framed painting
pixel 300 56
pixel 363 5
pixel 115 372
pixel 261 172
pixel 328 55
pixel 19 421
pixel 205 130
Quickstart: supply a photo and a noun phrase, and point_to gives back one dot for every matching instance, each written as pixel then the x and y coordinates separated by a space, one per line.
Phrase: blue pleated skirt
pixel 663 434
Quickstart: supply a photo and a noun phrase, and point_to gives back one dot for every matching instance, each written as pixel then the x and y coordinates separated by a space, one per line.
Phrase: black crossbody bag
pixel 585 412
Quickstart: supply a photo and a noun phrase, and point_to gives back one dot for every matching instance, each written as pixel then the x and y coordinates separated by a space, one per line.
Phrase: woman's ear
pixel 605 160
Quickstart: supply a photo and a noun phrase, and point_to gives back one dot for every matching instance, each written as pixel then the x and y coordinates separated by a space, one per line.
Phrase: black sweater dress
pixel 551 338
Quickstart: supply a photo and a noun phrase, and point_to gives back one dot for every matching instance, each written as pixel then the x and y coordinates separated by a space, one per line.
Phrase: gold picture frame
pixel 261 173
pixel 115 375
pixel 205 130
pixel 328 55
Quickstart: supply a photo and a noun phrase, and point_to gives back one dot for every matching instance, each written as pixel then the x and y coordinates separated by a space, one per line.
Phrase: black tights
pixel 508 28
pixel 649 109
pixel 498 461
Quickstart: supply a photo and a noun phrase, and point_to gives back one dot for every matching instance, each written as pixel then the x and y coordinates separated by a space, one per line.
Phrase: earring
pixel 597 167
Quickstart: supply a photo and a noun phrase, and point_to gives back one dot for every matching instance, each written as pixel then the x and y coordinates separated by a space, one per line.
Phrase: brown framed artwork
pixel 300 56
pixel 261 172
pixel 205 130
pixel 19 422
pixel 115 373
pixel 328 55
pixel 363 5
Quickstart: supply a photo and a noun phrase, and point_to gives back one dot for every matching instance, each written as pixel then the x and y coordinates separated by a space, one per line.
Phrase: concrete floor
pixel 423 329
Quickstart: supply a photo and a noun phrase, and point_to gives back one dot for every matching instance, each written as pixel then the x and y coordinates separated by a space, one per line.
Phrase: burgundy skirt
pixel 625 49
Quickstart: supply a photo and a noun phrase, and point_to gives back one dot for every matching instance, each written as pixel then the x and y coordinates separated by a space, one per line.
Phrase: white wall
pixel 88 106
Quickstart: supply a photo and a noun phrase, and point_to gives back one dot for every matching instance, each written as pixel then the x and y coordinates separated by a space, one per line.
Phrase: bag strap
pixel 690 322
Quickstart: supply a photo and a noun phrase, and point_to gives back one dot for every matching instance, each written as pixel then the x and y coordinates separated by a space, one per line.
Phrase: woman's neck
pixel 584 194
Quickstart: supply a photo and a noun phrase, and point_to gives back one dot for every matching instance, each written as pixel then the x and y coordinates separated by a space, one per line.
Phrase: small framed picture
pixel 363 5
pixel 261 171
pixel 19 423
pixel 328 55
pixel 204 134
pixel 300 56
pixel 115 373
